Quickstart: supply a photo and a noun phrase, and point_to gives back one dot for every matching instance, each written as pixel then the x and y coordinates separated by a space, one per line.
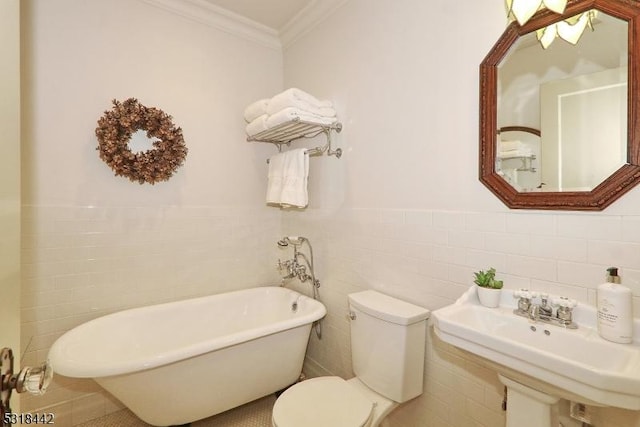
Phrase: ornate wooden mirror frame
pixel 621 181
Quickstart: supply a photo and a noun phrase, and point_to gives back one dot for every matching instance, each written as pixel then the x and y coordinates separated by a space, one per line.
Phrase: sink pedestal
pixel 527 407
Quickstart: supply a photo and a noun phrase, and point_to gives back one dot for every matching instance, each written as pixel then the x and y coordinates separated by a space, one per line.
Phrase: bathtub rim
pixel 65 364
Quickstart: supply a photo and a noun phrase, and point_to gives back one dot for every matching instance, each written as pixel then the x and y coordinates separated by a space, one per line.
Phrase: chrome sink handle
pixel 564 302
pixel 565 309
pixel 525 293
pixel 525 296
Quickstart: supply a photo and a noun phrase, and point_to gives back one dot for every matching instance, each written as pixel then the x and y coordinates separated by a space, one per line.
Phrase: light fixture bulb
pixel 547 35
pixel 570 29
pixel 557 6
pixel 523 10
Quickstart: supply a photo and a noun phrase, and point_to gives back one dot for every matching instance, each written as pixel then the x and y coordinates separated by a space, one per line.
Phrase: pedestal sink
pixel 541 363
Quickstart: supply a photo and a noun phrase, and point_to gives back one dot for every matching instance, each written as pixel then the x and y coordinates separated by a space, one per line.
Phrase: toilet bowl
pixel 387 346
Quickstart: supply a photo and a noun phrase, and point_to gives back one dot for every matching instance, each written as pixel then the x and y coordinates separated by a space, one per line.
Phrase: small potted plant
pixel 489 288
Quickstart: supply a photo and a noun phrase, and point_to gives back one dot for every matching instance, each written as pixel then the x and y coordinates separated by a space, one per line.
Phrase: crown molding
pixel 222 19
pixel 309 17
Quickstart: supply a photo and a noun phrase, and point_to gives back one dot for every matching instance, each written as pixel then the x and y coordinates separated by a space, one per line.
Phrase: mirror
pixel 557 126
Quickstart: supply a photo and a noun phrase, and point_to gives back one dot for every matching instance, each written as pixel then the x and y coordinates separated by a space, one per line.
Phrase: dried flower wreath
pixel 115 129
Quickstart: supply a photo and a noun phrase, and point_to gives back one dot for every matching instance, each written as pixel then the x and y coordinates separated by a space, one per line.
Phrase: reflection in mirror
pixel 577 97
pixel 518 157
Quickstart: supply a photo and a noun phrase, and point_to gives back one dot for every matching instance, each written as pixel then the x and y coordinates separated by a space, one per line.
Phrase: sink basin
pixel 574 364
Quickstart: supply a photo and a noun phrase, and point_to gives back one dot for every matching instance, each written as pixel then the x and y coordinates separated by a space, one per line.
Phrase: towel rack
pixel 289 131
pixel 527 129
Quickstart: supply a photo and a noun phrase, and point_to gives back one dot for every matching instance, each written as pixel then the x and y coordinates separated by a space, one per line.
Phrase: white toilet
pixel 387 355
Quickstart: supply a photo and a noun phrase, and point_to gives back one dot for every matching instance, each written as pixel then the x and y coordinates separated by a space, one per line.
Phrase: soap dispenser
pixel 615 309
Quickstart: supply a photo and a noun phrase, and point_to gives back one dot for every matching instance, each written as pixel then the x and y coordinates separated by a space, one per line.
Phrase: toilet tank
pixel 388 339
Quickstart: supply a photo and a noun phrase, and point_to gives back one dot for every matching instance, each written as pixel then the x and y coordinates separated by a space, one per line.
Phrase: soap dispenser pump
pixel 615 309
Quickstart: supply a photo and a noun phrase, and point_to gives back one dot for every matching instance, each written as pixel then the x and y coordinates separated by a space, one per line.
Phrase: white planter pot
pixel 489 297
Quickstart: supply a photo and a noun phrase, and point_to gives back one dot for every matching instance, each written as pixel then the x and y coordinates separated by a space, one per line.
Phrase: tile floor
pixel 253 414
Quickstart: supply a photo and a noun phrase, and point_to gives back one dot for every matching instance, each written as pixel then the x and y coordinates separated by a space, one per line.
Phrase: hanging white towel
pixel 255 110
pixel 296 176
pixel 288 178
pixel 275 179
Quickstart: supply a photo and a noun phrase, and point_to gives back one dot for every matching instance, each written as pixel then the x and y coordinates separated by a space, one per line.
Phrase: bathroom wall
pixel 403 211
pixel 10 180
pixel 94 243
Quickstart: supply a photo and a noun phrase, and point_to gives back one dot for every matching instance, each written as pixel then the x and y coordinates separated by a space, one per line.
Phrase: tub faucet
pixel 300 267
pixel 293 268
pixel 286 269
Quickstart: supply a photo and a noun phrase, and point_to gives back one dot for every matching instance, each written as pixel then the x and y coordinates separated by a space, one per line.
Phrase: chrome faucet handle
pixel 564 302
pixel 520 293
pixel 565 308
pixel 285 269
pixel 525 293
pixel 525 296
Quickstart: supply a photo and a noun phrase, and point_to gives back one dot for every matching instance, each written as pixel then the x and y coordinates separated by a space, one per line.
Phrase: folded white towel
pixel 522 152
pixel 295 95
pixel 276 107
pixel 257 125
pixel 292 113
pixel 510 145
pixel 287 179
pixel 255 110
pixel 288 99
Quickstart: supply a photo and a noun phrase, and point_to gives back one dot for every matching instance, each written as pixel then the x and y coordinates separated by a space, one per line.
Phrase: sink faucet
pixel 543 312
pixel 545 308
pixel 304 271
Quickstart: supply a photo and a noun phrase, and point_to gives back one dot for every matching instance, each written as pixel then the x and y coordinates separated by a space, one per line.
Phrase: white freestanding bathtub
pixel 182 361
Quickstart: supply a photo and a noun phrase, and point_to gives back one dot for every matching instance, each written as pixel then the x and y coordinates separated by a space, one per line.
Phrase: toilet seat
pixel 322 402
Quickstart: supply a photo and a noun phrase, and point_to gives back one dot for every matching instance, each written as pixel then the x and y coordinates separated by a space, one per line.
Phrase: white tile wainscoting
pixel 82 262
pixel 427 257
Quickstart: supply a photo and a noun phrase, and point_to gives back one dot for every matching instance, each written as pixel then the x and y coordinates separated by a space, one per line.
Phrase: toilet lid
pixel 322 402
